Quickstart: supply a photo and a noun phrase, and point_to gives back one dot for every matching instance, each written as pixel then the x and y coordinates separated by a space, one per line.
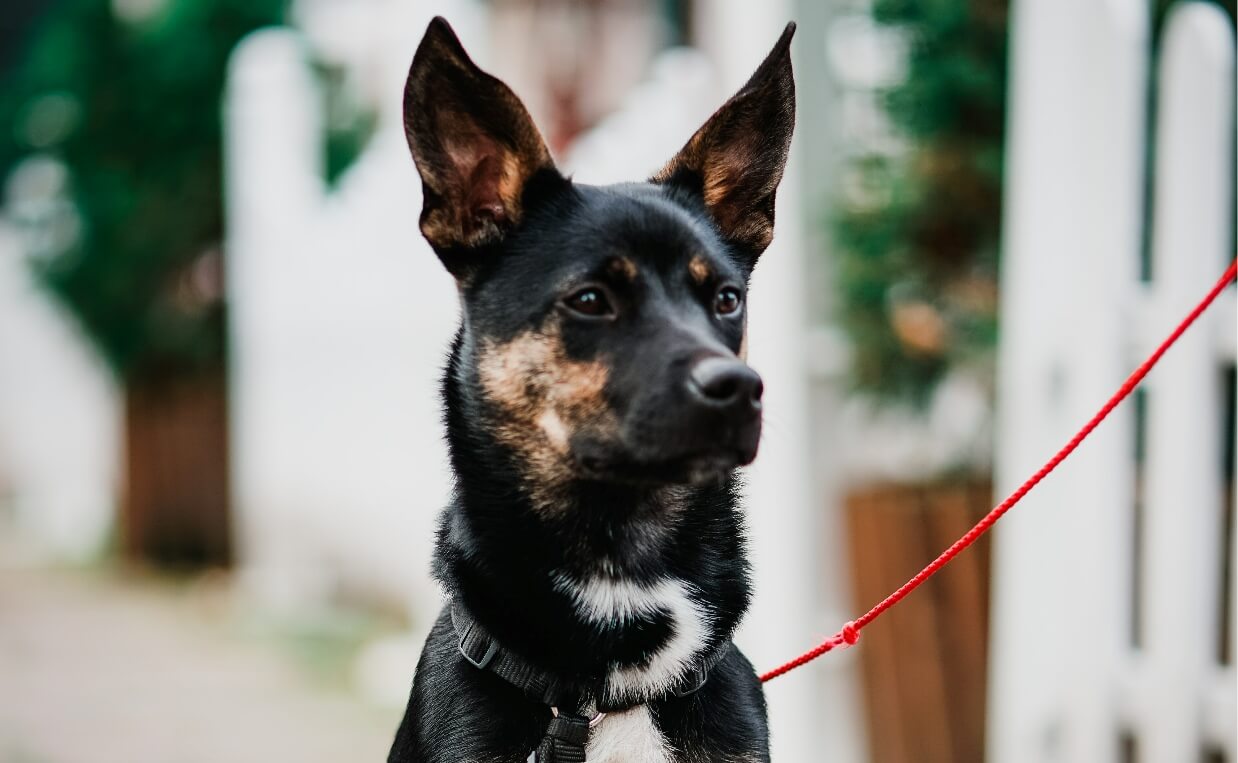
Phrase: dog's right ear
pixel 735 161
pixel 474 144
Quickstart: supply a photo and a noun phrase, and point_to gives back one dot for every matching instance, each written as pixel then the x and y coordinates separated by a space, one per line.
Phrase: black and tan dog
pixel 597 405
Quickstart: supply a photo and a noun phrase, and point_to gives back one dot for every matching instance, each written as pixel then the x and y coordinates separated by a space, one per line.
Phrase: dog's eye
pixel 727 301
pixel 591 302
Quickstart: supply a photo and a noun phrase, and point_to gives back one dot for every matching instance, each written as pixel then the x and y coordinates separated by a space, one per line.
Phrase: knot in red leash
pixel 850 632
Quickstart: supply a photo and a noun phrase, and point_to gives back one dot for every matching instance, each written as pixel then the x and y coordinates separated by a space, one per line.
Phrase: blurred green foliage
pixel 131 108
pixel 347 124
pixel 918 228
pixel 1160 9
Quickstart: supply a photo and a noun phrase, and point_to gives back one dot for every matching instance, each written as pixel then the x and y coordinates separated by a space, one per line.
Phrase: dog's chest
pixel 611 602
pixel 628 737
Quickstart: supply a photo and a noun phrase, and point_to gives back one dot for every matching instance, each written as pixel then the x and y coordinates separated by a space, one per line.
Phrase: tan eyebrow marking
pixel 623 267
pixel 699 269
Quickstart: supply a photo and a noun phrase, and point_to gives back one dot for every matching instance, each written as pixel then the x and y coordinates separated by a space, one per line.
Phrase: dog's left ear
pixel 735 160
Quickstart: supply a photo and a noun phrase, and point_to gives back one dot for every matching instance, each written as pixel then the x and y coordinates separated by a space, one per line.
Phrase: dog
pixel 597 407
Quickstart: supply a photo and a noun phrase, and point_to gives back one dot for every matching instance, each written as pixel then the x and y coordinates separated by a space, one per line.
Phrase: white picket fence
pixel 1110 577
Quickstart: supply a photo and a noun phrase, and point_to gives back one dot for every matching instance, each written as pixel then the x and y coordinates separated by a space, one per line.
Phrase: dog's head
pixel 603 334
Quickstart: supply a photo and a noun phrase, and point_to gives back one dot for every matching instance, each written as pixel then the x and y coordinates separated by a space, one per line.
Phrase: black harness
pixel 568 732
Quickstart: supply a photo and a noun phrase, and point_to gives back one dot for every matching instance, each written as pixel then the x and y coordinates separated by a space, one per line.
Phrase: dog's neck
pixel 622 584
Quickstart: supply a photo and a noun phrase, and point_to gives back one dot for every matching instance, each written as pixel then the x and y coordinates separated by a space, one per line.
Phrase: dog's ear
pixel 735 160
pixel 474 144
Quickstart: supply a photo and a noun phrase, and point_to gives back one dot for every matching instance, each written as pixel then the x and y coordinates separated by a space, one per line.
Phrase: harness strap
pixel 565 740
pixel 482 651
pixel 568 732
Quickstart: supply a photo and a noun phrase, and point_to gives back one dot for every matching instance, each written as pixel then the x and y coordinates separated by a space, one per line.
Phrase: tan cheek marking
pixel 545 399
pixel 552 426
pixel 743 346
pixel 698 269
pixel 510 372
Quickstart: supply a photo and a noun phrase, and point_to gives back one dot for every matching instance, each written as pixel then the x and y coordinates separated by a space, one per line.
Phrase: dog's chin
pixel 697 468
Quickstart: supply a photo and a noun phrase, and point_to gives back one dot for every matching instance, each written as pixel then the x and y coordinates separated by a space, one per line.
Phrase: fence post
pixel 1071 242
pixel 1191 240
pixel 272 172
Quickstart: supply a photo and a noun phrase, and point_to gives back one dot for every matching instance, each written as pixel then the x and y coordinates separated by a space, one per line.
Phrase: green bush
pixel 918 232
pixel 132 110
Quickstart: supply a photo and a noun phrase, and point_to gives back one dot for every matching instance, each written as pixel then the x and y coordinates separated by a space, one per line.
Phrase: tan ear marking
pixel 736 159
pixel 473 141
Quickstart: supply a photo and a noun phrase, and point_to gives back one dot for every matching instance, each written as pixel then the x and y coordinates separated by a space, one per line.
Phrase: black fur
pixel 641 489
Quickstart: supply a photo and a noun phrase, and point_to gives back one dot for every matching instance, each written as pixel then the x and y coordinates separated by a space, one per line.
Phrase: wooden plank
pixel 175 511
pixel 924 660
pixel 962 595
pixel 880 688
pixel 916 625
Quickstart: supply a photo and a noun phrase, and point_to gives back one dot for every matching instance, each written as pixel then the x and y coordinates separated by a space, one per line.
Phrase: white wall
pixel 60 414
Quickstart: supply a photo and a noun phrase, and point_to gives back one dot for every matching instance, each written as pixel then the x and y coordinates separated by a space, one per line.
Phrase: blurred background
pixel 220 334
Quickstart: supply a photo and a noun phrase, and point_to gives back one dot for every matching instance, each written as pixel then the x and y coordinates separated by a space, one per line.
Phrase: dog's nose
pixel 725 383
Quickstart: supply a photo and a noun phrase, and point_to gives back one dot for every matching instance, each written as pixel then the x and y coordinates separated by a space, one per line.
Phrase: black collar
pixel 568 732
pixel 483 651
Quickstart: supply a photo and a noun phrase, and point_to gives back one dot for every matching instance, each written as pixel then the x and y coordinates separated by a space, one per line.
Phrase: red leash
pixel 850 632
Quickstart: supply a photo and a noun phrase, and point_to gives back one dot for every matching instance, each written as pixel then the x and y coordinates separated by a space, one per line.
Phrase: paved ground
pixel 97 669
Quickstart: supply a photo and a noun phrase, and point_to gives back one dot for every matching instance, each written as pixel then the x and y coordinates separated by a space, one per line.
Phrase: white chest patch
pixel 610 601
pixel 627 737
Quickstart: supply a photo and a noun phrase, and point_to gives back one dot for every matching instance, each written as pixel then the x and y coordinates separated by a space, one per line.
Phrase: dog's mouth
pixel 652 452
pixel 686 470
pixel 694 467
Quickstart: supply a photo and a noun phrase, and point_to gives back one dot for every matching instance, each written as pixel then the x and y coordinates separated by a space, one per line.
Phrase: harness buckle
pixel 492 648
pixel 692 683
